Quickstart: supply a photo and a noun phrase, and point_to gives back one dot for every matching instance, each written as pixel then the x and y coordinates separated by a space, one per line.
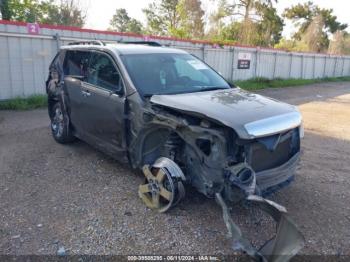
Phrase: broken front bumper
pixel 274 177
pixel 288 239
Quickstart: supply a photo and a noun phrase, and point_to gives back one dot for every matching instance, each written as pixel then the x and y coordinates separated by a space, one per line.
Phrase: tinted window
pixel 103 73
pixel 171 74
pixel 76 63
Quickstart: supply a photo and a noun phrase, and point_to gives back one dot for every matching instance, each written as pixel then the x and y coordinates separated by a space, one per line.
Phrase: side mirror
pixel 118 90
pixel 231 84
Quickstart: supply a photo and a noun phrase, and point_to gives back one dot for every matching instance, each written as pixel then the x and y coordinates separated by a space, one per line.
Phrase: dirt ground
pixel 74 197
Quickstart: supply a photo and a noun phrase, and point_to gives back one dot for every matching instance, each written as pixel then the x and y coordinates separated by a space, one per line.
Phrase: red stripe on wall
pixel 85 30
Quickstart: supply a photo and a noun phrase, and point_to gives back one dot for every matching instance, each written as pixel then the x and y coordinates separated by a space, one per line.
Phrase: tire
pixel 60 125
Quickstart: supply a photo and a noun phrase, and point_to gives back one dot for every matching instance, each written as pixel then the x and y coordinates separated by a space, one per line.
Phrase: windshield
pixel 168 73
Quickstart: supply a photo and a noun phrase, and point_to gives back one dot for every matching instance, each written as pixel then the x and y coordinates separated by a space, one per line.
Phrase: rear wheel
pixel 60 126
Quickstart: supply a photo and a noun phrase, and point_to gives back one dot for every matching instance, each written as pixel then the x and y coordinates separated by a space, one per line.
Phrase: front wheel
pixel 163 187
pixel 60 126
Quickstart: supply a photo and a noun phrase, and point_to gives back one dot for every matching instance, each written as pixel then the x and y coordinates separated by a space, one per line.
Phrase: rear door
pixel 75 70
pixel 103 102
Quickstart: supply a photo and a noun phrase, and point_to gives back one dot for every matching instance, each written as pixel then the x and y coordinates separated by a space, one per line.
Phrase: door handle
pixel 86 93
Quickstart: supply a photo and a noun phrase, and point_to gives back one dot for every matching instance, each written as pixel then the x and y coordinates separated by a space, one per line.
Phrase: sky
pixel 99 12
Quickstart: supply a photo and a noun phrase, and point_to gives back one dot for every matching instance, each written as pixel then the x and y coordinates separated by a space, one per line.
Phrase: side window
pixel 103 73
pixel 76 63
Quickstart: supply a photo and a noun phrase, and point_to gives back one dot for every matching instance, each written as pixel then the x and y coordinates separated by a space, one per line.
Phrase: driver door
pixel 103 103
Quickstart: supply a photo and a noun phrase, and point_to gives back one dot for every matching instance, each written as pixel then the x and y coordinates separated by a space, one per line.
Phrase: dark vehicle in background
pixel 168 113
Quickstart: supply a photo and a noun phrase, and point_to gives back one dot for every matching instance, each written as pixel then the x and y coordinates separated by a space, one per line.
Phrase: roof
pixel 124 49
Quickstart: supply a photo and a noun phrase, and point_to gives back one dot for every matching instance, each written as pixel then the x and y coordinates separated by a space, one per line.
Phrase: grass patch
pixel 261 83
pixel 32 102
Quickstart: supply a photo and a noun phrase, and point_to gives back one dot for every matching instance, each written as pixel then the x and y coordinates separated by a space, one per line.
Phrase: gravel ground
pixel 76 198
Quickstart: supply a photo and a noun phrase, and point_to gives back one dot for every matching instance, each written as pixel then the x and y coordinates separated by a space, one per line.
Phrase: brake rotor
pixel 161 191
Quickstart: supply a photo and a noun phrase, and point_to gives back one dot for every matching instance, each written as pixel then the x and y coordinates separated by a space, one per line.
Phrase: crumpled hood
pixel 250 115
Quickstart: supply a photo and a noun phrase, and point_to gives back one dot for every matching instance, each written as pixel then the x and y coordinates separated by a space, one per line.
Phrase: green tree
pixel 314 39
pixel 340 44
pixel 135 26
pixel 65 12
pixel 180 18
pixel 287 44
pixel 217 25
pixel 162 17
pixel 231 31
pixel 122 22
pixel 346 44
pixel 244 9
pixel 302 15
pixel 251 22
pixel 191 23
pixel 270 26
pixel 5 11
pixel 24 10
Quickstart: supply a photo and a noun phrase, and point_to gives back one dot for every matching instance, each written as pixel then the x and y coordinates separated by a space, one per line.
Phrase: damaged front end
pixel 177 148
pixel 288 239
pixel 229 145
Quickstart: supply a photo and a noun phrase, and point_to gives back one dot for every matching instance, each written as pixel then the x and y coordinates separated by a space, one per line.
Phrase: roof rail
pixel 150 43
pixel 88 42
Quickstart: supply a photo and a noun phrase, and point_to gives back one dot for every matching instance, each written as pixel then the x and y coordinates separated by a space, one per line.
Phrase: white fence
pixel 27 50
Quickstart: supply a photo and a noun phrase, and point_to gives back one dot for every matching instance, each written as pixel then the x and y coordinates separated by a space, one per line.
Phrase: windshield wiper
pixel 201 89
pixel 210 88
pixel 149 94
